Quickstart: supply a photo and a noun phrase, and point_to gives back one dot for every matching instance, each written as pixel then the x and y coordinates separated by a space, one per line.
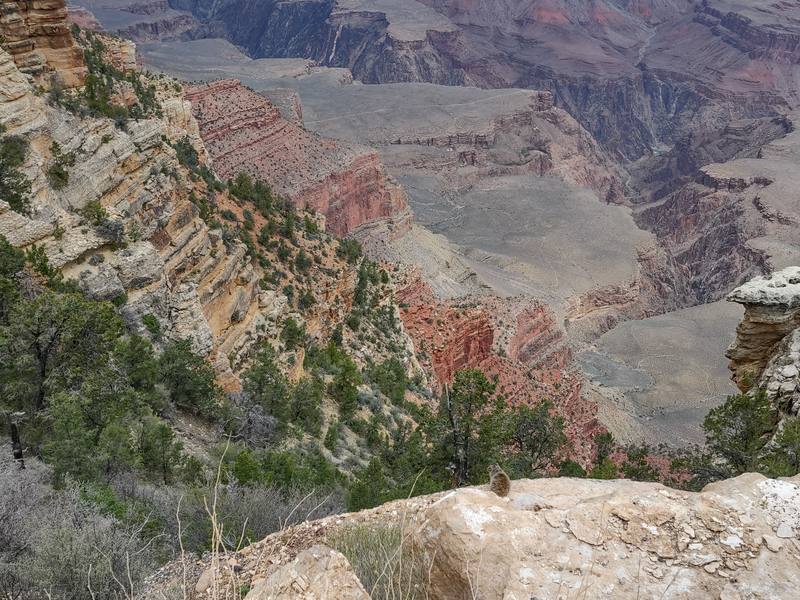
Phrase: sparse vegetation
pixel 58 171
pixel 383 560
pixel 15 188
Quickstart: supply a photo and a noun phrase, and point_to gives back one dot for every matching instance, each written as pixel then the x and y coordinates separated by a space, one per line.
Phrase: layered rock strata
pixel 766 352
pixel 36 34
pixel 243 131
pixel 535 138
pixel 138 20
pixel 196 283
pixel 635 74
pixel 514 341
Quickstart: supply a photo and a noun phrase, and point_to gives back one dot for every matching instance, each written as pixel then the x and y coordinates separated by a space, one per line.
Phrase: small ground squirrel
pixel 499 482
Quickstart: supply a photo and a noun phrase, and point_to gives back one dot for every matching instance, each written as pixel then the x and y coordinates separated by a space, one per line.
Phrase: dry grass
pixel 383 560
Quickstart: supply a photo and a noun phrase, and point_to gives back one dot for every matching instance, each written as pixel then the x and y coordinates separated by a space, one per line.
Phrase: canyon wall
pixel 347 183
pixel 177 269
pixel 151 251
pixel 514 341
pixel 634 76
pixel 36 34
pixel 766 352
pixel 532 138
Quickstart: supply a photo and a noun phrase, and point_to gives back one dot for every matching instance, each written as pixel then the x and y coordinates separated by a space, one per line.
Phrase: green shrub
pixel 57 172
pixel 332 436
pixel 190 380
pixel 390 379
pixel 737 431
pixel 307 404
pixel 186 153
pixel 267 386
pixel 152 324
pixel 15 188
pixel 95 213
pixel 293 334
pixel 349 250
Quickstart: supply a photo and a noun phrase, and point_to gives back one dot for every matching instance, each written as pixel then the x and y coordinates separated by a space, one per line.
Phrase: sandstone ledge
pixel 556 538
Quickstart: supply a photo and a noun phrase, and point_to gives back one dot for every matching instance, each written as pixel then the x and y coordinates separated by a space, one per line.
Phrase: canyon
pixel 242 131
pixel 501 180
pixel 593 204
pixel 735 538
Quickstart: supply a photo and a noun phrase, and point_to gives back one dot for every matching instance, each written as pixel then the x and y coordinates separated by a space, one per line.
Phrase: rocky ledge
pixel 551 538
pixel 771 312
pixel 767 347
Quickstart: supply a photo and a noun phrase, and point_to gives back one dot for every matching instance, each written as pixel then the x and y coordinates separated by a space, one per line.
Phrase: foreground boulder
pixel 316 574
pixel 567 538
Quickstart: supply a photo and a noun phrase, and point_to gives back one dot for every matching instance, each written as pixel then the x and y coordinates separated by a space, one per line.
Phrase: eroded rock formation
pixel 533 137
pixel 634 75
pixel 36 34
pixel 515 341
pixel 151 250
pixel 243 131
pixel 766 353
pixel 562 537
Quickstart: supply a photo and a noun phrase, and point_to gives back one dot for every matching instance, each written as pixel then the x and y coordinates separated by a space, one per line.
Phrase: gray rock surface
pixel 564 538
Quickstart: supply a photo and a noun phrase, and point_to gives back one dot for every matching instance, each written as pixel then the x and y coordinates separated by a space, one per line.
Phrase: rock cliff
pixel 634 74
pixel 151 250
pixel 515 341
pixel 553 538
pixel 766 352
pixel 36 34
pixel 347 183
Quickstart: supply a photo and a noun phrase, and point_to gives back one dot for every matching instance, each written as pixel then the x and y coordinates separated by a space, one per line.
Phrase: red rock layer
pixel 516 343
pixel 243 131
pixel 36 34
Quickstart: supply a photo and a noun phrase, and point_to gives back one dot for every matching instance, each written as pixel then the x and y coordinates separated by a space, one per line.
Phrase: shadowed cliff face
pixel 634 76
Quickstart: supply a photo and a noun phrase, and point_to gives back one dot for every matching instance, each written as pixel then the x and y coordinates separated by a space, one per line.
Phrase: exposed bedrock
pixel 37 36
pixel 174 267
pixel 634 76
pixel 617 539
pixel 346 182
pixel 620 539
pixel 516 341
pixel 659 175
pixel 771 313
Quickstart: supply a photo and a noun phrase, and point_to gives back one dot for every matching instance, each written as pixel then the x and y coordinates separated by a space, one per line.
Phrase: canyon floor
pixel 506 234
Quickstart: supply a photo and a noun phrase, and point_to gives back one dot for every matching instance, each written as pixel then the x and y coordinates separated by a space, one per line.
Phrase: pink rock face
pixel 514 342
pixel 243 131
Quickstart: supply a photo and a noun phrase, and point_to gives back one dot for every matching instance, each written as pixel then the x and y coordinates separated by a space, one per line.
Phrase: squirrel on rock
pixel 499 482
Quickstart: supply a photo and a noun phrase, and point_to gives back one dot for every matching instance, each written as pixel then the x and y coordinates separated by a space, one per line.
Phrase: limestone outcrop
pixel 36 34
pixel 766 352
pixel 172 265
pixel 556 538
pixel 347 183
pixel 316 574
pixel 533 137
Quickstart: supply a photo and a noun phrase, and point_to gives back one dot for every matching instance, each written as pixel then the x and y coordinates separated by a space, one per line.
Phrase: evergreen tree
pixel 267 386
